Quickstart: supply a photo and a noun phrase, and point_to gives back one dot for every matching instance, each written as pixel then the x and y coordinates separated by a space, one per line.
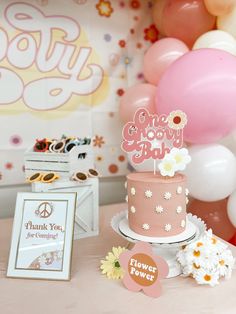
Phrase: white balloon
pixel 216 39
pixel 231 208
pixel 211 173
pixel 147 165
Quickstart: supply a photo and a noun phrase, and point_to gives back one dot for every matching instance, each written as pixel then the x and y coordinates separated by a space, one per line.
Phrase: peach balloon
pixel 157 13
pixel 187 20
pixel 215 216
pixel 160 56
pixel 219 7
pixel 135 97
pixel 227 22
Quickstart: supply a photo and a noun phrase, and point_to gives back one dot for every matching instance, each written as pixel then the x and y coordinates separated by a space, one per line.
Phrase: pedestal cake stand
pixel 166 247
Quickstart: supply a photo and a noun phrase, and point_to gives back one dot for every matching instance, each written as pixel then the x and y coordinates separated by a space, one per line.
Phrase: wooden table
pixel 89 292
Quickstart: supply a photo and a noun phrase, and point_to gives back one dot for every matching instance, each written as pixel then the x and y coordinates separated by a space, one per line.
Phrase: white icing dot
pixel 167 196
pixel 126 198
pixel 179 209
pixel 167 227
pixel 186 192
pixel 179 189
pixel 148 194
pixel 187 200
pixel 132 209
pixel 146 226
pixel 132 191
pixel 125 184
pixel 159 209
pixel 183 222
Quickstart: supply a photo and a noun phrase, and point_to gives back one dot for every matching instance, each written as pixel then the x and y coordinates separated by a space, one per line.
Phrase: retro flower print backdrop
pixel 63 67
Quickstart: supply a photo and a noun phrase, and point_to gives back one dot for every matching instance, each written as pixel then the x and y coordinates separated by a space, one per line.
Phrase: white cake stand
pixel 166 247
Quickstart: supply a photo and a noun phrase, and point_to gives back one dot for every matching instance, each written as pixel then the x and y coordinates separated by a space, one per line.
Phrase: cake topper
pixel 157 137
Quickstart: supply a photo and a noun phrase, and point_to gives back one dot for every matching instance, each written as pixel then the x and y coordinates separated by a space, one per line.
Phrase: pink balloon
pixel 186 20
pixel 135 97
pixel 160 55
pixel 202 83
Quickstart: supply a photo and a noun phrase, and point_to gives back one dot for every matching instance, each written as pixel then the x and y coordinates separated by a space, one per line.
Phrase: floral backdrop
pixel 63 67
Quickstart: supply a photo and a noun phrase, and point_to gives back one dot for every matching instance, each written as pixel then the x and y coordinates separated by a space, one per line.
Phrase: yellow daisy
pixel 111 266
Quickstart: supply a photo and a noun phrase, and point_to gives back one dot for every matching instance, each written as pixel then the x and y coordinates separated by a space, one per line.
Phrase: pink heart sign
pixel 143 269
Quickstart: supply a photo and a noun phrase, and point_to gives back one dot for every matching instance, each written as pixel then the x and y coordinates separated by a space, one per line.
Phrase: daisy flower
pixel 204 277
pixel 167 166
pixel 148 193
pixel 177 120
pixel 181 158
pixel 111 266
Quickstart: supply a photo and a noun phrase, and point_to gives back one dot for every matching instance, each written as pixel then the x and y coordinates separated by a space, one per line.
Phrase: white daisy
pixel 177 120
pixel 186 200
pixel 207 277
pixel 150 135
pixel 168 227
pixel 132 209
pixel 146 226
pixel 148 193
pixel 159 209
pixel 181 157
pixel 225 263
pixel 167 166
pixel 179 189
pixel 179 209
pixel 132 191
pixel 183 223
pixel 186 192
pixel 167 195
pixel 126 198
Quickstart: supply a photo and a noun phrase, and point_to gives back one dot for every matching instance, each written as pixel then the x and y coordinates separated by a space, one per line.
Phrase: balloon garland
pixel 192 68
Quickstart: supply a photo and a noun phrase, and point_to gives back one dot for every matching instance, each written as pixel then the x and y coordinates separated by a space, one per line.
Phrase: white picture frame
pixel 42 236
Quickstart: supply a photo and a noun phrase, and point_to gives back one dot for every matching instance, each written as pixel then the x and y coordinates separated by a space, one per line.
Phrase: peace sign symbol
pixel 45 210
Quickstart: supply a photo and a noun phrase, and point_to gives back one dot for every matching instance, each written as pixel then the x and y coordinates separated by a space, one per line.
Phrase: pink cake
pixel 156 204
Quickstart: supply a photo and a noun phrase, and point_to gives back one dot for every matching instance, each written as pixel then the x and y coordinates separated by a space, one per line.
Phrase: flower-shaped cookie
pixel 143 269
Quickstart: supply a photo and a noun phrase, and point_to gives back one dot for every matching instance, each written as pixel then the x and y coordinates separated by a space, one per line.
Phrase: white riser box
pixel 87 208
pixel 64 164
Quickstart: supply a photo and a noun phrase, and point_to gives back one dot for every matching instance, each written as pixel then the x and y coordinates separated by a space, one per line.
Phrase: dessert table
pixel 90 292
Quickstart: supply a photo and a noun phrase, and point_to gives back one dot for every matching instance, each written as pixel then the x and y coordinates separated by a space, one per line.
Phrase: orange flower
pixel 104 8
pixel 98 141
pixel 151 33
pixel 135 4
pixel 122 43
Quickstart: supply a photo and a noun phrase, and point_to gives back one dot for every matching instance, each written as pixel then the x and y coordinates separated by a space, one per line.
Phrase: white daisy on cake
pixel 159 209
pixel 146 226
pixel 179 189
pixel 167 166
pixel 148 193
pixel 132 209
pixel 179 209
pixel 177 120
pixel 133 191
pixel 168 227
pixel 167 195
pixel 181 157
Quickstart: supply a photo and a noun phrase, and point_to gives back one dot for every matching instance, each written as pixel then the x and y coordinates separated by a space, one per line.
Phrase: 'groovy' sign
pixel 48 45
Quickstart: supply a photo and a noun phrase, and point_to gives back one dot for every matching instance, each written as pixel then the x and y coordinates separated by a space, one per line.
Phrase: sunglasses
pixel 57 146
pixel 41 145
pixel 43 177
pixel 82 177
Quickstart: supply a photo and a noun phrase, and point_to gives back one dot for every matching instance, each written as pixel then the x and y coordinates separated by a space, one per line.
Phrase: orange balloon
pixel 215 216
pixel 219 7
pixel 157 14
pixel 187 20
